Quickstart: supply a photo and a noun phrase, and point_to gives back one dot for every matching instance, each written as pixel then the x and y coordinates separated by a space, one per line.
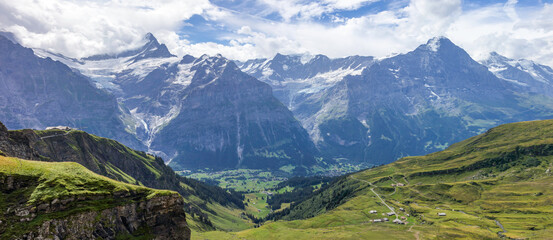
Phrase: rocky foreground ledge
pixel 41 200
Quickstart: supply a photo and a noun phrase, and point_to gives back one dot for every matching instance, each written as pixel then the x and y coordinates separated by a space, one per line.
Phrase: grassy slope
pixel 503 175
pixel 149 171
pixel 46 181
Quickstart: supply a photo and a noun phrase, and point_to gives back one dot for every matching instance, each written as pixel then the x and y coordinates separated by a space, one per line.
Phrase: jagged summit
pixel 436 43
pixel 281 58
pixel 151 49
pixel 150 37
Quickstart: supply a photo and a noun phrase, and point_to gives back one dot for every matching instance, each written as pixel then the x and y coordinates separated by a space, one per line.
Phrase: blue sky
pixel 243 29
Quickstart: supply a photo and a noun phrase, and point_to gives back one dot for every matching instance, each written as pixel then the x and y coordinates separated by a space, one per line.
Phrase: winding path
pixel 415 232
pixel 57 135
pixel 377 195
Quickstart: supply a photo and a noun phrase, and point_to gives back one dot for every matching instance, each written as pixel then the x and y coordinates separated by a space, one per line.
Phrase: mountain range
pixel 210 112
pixel 198 112
pixel 376 111
pixel 37 93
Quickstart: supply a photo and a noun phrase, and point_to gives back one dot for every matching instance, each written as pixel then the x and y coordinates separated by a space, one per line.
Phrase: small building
pixel 391 214
pixel 377 220
pixel 400 184
pixel 402 209
pixel 441 214
pixel 64 128
pixel 385 219
pixel 407 214
pixel 397 221
pixel 373 211
pixel 403 218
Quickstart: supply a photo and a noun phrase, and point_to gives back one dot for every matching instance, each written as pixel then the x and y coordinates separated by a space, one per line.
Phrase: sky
pixel 245 29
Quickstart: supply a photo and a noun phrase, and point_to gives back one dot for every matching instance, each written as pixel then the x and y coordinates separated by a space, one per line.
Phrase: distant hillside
pixel 114 160
pixel 41 200
pixel 491 186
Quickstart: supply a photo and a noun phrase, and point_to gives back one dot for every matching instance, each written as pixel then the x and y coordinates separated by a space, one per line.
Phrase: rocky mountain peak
pixel 319 58
pixel 497 58
pixel 434 44
pixel 216 64
pixel 150 37
pixel 281 58
pixel 440 45
pixel 151 49
pixel 187 59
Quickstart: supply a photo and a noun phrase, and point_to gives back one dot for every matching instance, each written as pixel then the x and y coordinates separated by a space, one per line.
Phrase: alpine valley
pixel 142 144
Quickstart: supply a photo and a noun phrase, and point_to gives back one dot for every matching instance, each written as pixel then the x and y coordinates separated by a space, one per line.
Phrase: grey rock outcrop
pixel 159 217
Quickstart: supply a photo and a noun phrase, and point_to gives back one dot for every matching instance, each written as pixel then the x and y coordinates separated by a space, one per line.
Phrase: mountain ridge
pixel 111 159
pixel 154 90
pixel 408 104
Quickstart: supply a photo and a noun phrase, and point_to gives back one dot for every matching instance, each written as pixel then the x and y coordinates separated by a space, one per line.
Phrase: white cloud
pixel 377 34
pixel 512 30
pixel 523 32
pixel 305 10
pixel 81 28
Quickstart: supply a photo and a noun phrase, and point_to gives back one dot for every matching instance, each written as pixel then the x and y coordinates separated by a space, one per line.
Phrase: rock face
pixel 37 92
pixel 199 112
pixel 96 210
pixel 417 103
pixel 16 145
pixel 410 104
pixel 227 119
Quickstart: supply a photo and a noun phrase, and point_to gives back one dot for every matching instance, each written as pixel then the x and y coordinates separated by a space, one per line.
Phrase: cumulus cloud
pixel 512 30
pixel 305 10
pixel 516 32
pixel 82 28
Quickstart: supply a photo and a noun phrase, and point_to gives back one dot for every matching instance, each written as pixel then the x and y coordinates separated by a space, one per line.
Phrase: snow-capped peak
pixel 435 43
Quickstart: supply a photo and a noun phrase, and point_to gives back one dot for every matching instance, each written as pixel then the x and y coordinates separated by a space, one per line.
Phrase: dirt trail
pixel 57 135
pixel 416 233
pixel 377 195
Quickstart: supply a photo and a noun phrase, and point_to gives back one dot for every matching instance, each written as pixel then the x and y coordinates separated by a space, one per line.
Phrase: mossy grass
pixel 65 179
pixel 50 182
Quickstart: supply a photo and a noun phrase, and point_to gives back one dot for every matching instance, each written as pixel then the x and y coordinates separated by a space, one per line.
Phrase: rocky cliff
pixel 42 200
